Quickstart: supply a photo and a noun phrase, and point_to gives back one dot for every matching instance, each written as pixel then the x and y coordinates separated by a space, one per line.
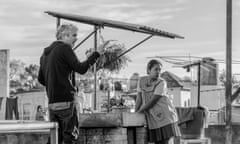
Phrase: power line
pixel 179 59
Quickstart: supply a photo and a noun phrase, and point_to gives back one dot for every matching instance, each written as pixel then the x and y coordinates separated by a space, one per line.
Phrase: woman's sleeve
pixel 139 97
pixel 161 89
pixel 138 86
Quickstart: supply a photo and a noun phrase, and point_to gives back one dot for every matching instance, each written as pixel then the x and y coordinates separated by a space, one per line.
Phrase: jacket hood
pixel 48 49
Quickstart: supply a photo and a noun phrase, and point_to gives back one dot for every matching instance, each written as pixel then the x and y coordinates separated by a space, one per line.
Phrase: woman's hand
pixel 141 110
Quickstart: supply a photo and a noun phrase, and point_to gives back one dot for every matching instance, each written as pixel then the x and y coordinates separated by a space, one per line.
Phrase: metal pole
pixel 228 86
pixel 148 37
pixel 108 99
pixel 95 70
pixel 134 46
pixel 84 39
pixel 199 82
pixel 58 22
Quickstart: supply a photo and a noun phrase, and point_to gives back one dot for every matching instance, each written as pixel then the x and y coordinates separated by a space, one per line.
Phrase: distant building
pixel 4 72
pixel 133 81
pixel 178 88
pixel 209 72
pixel 211 96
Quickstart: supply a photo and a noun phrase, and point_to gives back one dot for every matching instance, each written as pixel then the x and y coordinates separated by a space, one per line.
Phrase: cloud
pixel 188 44
pixel 27 29
pixel 181 1
pixel 132 12
pixel 236 7
pixel 27 59
pixel 238 3
pixel 31 13
pixel 122 5
pixel 31 23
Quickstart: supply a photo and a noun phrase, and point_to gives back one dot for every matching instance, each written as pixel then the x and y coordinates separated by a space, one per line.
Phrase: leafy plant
pixel 109 59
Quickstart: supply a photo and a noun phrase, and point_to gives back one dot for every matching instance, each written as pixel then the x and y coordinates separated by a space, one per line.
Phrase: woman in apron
pixel 157 106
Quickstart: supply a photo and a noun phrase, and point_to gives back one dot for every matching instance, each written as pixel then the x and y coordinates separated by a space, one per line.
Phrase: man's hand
pixel 89 52
pixel 101 48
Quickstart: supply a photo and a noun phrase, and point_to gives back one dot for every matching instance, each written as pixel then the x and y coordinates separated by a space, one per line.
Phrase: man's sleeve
pixel 81 67
pixel 40 74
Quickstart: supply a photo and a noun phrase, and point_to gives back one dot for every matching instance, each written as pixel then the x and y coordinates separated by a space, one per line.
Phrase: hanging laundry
pixel 11 107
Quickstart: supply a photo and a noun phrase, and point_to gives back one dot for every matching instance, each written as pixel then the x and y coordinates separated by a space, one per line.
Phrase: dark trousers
pixel 67 120
pixel 11 106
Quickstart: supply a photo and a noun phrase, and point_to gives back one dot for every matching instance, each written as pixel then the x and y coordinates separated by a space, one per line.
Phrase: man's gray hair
pixel 65 29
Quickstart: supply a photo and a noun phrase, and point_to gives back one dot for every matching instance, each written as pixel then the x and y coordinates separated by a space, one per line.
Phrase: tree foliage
pixel 22 76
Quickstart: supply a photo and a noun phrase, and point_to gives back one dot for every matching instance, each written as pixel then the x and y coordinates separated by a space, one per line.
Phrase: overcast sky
pixel 26 29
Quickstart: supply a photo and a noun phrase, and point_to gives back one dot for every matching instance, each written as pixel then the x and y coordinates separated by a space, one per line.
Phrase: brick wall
pixel 103 136
pixel 26 138
pixel 217 133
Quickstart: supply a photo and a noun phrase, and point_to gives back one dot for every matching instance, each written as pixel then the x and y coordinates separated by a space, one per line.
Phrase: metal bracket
pixel 148 37
pixel 87 37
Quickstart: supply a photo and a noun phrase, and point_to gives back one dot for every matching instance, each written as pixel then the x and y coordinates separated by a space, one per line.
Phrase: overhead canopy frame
pixel 101 23
pixel 114 24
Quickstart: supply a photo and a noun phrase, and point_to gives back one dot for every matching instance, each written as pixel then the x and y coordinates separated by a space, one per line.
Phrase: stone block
pixel 100 120
pixel 115 137
pixel 217 134
pixel 115 131
pixel 23 138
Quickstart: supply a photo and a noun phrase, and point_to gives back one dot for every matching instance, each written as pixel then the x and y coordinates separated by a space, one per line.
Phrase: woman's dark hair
pixel 38 107
pixel 151 63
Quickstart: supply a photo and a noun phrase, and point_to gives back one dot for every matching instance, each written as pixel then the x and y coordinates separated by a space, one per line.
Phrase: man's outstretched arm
pixel 81 67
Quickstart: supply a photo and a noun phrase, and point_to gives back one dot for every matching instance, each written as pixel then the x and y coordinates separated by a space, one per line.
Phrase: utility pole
pixel 199 82
pixel 95 70
pixel 228 86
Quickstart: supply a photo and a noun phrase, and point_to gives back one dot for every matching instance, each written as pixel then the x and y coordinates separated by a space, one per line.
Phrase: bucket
pixel 191 122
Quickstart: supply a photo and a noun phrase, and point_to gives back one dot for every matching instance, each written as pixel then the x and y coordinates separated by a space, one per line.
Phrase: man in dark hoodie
pixel 57 63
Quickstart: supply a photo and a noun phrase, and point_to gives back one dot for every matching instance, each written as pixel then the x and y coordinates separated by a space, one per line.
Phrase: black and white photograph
pixel 120 72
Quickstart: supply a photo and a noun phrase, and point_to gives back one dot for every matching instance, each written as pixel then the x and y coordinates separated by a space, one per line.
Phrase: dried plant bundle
pixel 109 59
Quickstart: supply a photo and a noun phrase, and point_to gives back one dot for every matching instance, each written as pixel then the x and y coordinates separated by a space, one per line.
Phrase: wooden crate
pixel 133 119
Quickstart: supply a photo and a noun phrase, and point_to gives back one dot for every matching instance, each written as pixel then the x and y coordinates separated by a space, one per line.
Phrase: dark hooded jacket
pixel 57 63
